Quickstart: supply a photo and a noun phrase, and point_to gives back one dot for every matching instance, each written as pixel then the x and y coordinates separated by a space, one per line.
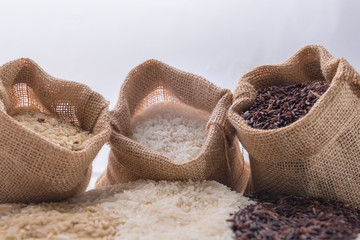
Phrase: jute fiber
pixel 152 82
pixel 32 169
pixel 319 154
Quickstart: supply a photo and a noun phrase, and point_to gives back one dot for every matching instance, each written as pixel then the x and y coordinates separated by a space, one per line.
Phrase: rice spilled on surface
pixel 178 131
pixel 55 130
pixel 136 210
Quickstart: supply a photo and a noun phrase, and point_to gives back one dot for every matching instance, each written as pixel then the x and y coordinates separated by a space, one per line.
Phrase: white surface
pixel 99 42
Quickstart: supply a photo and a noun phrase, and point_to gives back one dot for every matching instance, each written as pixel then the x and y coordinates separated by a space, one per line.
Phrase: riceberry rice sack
pixel 318 154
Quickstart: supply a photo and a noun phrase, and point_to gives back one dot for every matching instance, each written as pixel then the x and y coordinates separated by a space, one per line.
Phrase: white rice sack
pixel 137 210
pixel 56 130
pixel 176 130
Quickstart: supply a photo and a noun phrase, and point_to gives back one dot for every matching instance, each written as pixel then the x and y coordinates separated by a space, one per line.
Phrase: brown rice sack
pixel 317 155
pixel 32 168
pixel 151 83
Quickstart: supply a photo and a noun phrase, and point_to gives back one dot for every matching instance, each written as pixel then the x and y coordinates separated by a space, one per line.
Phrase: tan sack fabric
pixel 318 155
pixel 152 82
pixel 32 169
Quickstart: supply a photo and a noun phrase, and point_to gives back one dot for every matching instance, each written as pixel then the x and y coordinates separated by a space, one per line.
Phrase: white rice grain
pixel 178 131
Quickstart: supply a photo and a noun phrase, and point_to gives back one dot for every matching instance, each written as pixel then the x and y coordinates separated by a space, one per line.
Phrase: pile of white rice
pixel 55 130
pixel 137 210
pixel 178 131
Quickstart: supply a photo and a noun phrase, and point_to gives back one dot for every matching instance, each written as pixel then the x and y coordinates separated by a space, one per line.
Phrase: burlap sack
pixel 152 82
pixel 318 155
pixel 32 169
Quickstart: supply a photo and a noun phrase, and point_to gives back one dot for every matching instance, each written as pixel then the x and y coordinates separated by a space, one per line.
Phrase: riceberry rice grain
pixel 279 106
pixel 294 217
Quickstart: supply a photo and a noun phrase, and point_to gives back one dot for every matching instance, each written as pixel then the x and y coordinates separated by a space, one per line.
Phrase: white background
pixel 99 42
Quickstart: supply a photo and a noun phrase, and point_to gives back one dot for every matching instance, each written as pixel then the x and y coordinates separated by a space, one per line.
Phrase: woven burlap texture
pixel 32 169
pixel 153 81
pixel 318 155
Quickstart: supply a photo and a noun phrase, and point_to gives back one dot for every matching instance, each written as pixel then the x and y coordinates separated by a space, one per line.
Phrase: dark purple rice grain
pixel 279 106
pixel 294 217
